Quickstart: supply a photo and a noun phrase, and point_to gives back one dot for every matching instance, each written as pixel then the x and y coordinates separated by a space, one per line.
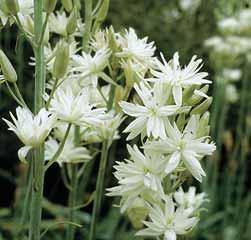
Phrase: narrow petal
pixel 22 153
pixel 173 162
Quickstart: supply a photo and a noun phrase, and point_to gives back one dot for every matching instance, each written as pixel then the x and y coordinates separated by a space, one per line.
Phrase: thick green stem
pixel 38 174
pixel 99 190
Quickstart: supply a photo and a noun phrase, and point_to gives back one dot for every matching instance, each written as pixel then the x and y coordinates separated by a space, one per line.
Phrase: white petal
pixel 22 153
pixel 173 162
pixel 170 235
pixel 177 95
pixel 193 165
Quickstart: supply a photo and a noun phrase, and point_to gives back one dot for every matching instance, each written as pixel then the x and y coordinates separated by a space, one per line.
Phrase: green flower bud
pixel 28 24
pixel 112 39
pixel 188 93
pixel 7 68
pixel 204 128
pixel 49 5
pixel 72 22
pixel 3 7
pixel 181 121
pixel 67 4
pixel 203 107
pixel 12 6
pixel 102 13
pixel 195 99
pixel 137 213
pixel 62 60
pixel 129 74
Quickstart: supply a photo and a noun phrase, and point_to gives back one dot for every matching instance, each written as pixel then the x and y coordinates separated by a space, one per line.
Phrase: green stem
pixel 88 24
pixel 99 190
pixel 54 87
pixel 38 174
pixel 72 201
pixel 60 149
pixel 44 28
pixel 73 190
pixel 27 198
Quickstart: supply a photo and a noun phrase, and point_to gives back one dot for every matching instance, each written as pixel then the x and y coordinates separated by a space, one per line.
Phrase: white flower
pixel 136 49
pixel 229 25
pixel 58 23
pixel 189 5
pixel 108 128
pixel 143 172
pixel 89 67
pixel 178 77
pixel 69 154
pixel 189 200
pixel 184 147
pixel 100 40
pixel 75 109
pixel 26 6
pixel 232 74
pixel 167 221
pixel 151 116
pixel 31 130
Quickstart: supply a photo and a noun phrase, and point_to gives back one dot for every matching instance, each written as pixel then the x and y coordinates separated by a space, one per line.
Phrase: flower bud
pixel 188 93
pixel 181 121
pixel 119 95
pixel 3 7
pixel 67 4
pixel 12 6
pixel 196 98
pixel 62 60
pixel 101 15
pixel 203 107
pixel 137 213
pixel 7 68
pixel 49 5
pixel 28 24
pixel 129 74
pixel 204 128
pixel 72 22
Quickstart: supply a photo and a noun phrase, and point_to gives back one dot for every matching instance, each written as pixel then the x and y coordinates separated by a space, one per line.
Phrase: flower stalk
pixel 38 175
pixel 99 190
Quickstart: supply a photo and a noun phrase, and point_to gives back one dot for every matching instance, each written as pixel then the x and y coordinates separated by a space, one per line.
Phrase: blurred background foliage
pixel 189 27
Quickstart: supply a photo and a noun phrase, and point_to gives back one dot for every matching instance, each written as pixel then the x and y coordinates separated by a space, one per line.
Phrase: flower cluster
pixel 87 94
pixel 170 117
pixel 231 47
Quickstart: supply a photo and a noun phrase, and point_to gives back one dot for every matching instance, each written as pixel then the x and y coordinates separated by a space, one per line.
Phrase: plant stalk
pixel 38 174
pixel 99 190
pixel 72 201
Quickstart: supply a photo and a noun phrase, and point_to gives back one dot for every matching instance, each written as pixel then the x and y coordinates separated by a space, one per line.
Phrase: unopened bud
pixel 72 22
pixel 204 128
pixel 137 212
pixel 12 6
pixel 188 93
pixel 3 7
pixel 102 13
pixel 129 74
pixel 181 121
pixel 28 24
pixel 7 68
pixel 49 5
pixel 203 107
pixel 62 60
pixel 119 95
pixel 196 98
pixel 67 4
